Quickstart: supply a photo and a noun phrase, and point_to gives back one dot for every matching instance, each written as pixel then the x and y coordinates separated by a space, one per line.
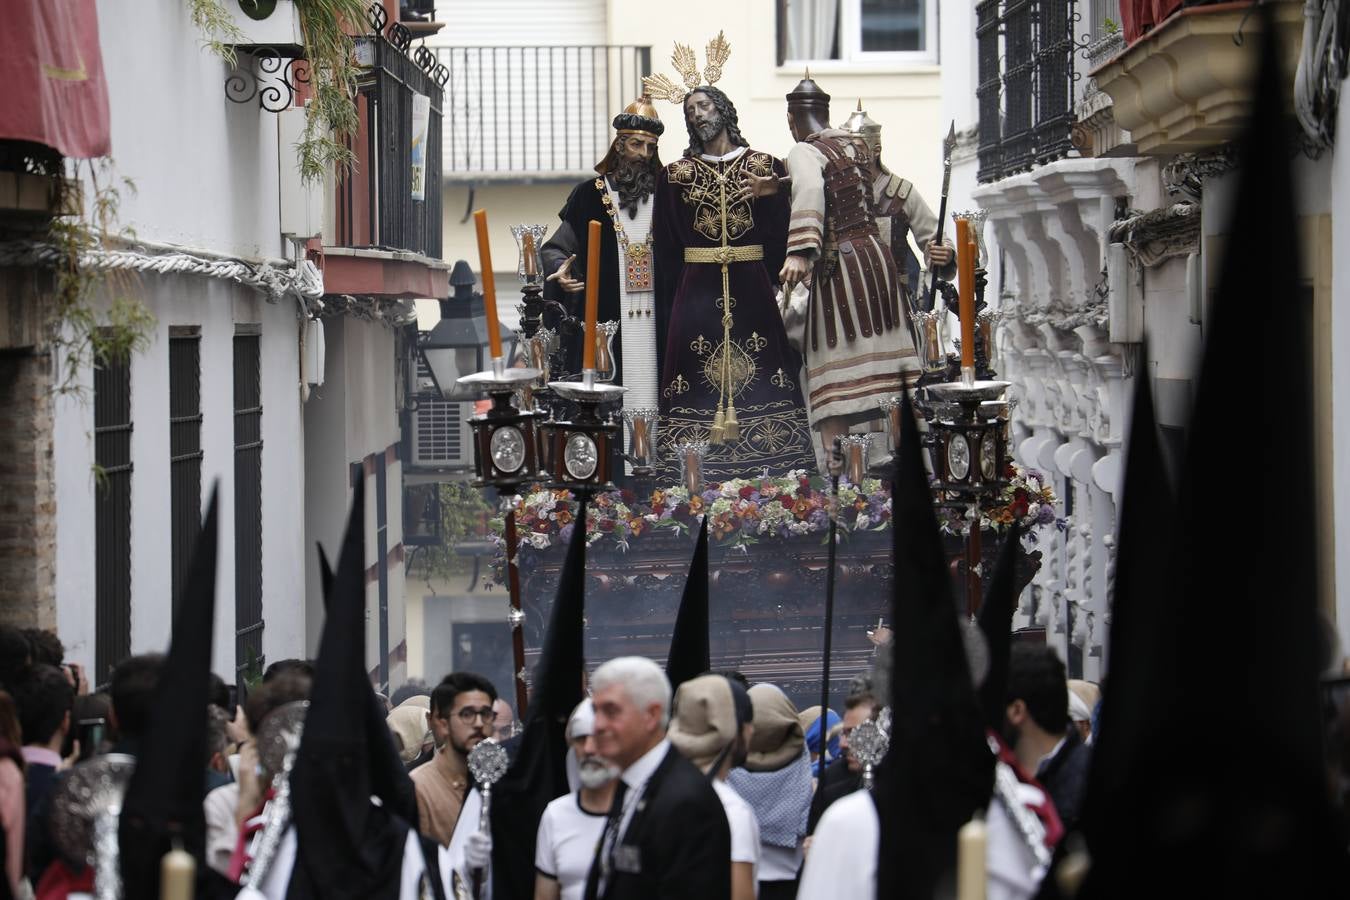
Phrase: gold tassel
pixel 715 433
pixel 731 425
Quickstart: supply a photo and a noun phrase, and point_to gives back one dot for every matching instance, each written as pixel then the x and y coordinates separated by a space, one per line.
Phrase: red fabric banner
pixel 51 69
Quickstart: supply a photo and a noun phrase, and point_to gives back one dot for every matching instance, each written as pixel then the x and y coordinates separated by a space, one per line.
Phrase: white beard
pixel 595 774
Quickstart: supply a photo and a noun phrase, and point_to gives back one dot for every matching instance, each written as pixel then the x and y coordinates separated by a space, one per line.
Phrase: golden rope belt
pixel 724 255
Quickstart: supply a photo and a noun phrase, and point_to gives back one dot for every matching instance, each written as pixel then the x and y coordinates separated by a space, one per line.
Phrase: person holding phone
pixel 44 698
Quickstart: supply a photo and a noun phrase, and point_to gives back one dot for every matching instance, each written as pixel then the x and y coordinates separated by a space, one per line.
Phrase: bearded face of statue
pixel 702 116
pixel 634 169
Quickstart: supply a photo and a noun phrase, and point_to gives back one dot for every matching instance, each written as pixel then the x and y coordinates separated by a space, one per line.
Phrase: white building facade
pixel 1106 225
pixel 273 366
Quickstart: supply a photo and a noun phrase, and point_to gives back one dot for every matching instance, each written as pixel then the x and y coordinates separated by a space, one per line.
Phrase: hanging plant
pixel 330 116
pixel 89 194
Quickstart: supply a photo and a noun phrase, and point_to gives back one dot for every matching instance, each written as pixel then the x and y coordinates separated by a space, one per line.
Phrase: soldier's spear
pixel 948 146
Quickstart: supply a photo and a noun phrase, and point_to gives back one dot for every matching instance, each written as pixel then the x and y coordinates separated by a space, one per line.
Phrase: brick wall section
pixel 27 491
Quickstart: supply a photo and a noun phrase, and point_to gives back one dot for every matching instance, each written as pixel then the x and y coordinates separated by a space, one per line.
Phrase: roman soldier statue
pixel 901 211
pixel 729 375
pixel 859 346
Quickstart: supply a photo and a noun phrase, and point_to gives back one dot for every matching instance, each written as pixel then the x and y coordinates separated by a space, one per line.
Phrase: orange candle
pixel 592 293
pixel 965 264
pixel 530 270
pixel 489 284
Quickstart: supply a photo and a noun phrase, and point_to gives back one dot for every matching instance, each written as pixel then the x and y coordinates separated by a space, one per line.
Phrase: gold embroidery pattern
pixel 677 386
pixel 703 184
pixel 681 171
pixel 755 343
pixel 780 379
pixel 738 369
pixel 701 345
pixel 774 435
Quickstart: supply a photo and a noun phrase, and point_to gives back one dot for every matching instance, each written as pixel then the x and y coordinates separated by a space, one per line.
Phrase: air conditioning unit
pixel 442 438
pixel 266 23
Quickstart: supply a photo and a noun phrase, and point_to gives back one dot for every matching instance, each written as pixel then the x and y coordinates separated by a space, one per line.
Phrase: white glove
pixel 478 850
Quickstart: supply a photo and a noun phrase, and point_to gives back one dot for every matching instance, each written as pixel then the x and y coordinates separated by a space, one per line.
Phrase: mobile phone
pixel 91 732
pixel 232 707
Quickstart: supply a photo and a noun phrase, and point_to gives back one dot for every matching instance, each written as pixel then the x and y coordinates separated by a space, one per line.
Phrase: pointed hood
pixel 538 773
pixel 690 654
pixel 163 802
pixel 1235 805
pixel 995 621
pixel 325 576
pixel 389 776
pixel 939 770
pixel 346 846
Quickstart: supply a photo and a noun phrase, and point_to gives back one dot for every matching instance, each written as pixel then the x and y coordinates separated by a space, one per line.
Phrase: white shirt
pixel 843 857
pixel 779 863
pixel 566 844
pixel 744 828
pixel 636 777
pixel 222 831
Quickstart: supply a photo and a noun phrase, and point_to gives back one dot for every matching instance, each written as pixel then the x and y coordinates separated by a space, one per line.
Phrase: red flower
pixel 747 492
pixel 1019 506
pixel 628 496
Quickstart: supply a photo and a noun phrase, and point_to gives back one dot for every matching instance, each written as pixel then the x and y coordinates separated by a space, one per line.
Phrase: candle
pixel 965 258
pixel 530 270
pixel 641 448
pixel 177 872
pixel 971 842
pixel 489 285
pixel 592 293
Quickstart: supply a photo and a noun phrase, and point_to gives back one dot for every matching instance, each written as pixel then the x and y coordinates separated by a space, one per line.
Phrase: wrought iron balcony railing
pixel 520 113
pixel 392 200
pixel 1025 54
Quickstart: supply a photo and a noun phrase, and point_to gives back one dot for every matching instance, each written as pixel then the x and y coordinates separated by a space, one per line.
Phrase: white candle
pixel 177 872
pixel 971 842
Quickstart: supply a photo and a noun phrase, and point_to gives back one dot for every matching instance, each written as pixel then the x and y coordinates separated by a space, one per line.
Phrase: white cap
pixel 582 721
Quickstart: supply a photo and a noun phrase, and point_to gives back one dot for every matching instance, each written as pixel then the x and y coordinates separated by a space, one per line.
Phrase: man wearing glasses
pixel 461 716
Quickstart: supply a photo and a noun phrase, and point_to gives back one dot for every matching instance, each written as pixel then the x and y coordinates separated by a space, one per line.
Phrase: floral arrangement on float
pixel 1027 498
pixel 747 511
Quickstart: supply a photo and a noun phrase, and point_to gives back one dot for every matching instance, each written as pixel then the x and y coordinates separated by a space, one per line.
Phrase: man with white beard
pixel 572 824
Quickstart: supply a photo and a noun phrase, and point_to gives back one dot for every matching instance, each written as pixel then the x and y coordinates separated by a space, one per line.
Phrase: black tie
pixel 604 851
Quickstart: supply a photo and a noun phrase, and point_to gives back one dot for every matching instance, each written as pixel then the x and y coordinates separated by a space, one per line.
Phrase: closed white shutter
pixel 515 23
pixel 532 87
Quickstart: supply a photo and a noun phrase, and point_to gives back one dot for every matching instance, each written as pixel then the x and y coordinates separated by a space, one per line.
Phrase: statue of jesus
pixel 720 232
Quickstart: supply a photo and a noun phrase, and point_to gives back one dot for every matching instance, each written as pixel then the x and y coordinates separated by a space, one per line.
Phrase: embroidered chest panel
pixel 703 186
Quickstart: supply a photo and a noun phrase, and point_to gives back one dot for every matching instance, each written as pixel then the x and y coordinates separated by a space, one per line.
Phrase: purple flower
pixel 711 494
pixel 1046 515
pixel 819 518
pixel 565 533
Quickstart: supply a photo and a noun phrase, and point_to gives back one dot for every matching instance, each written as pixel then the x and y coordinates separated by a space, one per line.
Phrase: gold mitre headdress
pixel 662 88
pixel 639 117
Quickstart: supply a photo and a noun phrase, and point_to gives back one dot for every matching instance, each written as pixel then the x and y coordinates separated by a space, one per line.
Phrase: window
pixel 248 611
pixel 857 31
pixel 112 516
pixel 185 450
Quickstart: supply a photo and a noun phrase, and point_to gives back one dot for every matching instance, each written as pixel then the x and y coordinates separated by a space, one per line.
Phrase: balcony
pixel 1185 85
pixel 388 203
pixel 526 113
pixel 1025 57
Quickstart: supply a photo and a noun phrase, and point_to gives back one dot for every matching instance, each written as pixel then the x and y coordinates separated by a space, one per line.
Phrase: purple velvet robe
pixel 764 369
